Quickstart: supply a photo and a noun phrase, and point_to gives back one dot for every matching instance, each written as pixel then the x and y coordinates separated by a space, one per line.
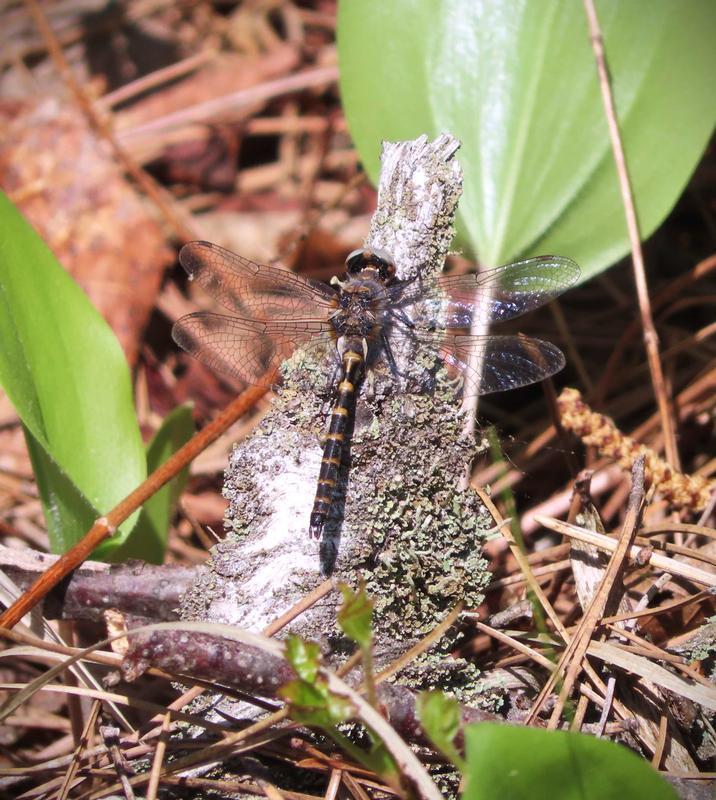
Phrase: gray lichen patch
pixel 701 646
pixel 456 677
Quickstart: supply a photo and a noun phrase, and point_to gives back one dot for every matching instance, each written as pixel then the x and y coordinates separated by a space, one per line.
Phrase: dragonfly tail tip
pixel 316 527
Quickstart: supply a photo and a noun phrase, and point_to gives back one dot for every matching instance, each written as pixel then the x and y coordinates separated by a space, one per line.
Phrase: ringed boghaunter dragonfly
pixel 364 318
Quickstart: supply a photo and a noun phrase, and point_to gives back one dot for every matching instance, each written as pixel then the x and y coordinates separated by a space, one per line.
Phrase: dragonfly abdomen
pixel 335 439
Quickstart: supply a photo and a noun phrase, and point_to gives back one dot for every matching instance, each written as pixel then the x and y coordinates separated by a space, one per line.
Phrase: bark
pixel 142 591
pixel 249 670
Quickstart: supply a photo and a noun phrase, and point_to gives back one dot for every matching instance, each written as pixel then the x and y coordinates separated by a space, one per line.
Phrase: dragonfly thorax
pixel 362 303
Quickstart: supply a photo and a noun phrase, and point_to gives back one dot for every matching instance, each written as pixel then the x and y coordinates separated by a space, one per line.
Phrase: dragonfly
pixel 365 319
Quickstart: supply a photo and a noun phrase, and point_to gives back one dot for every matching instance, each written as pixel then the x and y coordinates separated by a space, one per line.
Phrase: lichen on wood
pixel 401 523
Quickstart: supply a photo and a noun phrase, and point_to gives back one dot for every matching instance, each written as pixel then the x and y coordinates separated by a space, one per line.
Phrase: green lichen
pixel 420 552
pixel 701 646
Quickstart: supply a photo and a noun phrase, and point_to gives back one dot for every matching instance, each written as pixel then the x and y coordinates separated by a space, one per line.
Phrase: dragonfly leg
pixel 335 375
pixel 389 357
pixel 425 383
pixel 401 316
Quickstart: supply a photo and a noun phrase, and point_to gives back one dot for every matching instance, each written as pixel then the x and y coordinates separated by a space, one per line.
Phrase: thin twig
pixel 671 290
pixel 159 76
pixel 79 751
pixel 235 101
pixel 510 641
pixel 663 609
pixel 656 560
pixel 580 713
pixel 661 741
pixel 651 341
pixel 606 708
pixel 650 650
pixel 646 598
pixel 523 562
pixel 158 759
pixel 306 602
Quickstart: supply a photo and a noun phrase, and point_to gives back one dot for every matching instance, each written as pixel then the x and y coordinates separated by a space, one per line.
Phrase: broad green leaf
pixel 533 764
pixel 65 507
pixel 354 616
pixel 148 539
pixel 439 716
pixel 64 371
pixel 517 84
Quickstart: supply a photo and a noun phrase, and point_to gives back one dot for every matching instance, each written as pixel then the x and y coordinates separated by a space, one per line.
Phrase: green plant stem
pixel 369 675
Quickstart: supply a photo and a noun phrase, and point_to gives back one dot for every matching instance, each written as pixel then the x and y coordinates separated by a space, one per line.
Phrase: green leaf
pixel 533 764
pixel 65 507
pixel 304 657
pixel 308 703
pixel 311 700
pixel 517 84
pixel 354 616
pixel 314 704
pixel 148 539
pixel 64 371
pixel 440 718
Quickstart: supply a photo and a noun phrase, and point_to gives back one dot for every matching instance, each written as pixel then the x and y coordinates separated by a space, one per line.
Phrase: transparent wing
pixel 495 363
pixel 251 351
pixel 255 290
pixel 499 294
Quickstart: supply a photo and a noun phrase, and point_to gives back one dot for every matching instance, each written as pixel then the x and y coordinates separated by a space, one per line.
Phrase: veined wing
pixel 495 363
pixel 502 293
pixel 249 350
pixel 252 290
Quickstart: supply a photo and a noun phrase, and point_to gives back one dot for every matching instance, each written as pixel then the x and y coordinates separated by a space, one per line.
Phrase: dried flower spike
pixel 679 490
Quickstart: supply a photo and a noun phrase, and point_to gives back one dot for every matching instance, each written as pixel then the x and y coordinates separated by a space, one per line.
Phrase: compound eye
pixel 356 260
pixel 383 262
pixel 366 257
pixel 387 271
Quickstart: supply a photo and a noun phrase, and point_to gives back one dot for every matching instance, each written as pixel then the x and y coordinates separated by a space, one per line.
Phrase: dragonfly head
pixel 368 258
